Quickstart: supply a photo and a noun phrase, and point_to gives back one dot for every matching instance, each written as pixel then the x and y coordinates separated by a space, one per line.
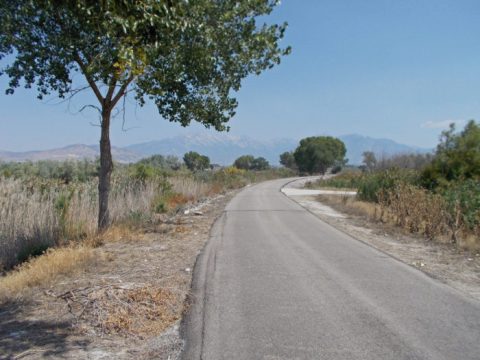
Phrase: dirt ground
pixel 126 304
pixel 445 262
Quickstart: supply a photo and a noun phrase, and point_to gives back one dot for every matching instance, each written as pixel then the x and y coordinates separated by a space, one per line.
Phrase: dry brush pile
pixel 129 310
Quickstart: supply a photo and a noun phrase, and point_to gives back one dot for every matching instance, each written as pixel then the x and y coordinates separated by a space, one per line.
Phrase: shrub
pixel 143 172
pixel 463 201
pixel 288 160
pixel 457 157
pixel 195 162
pixel 159 205
pixel 371 184
pixel 345 180
pixel 415 209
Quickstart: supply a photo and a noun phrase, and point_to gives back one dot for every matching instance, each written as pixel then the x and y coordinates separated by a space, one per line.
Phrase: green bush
pixel 345 180
pixel 368 185
pixel 372 183
pixel 463 199
pixel 159 203
pixel 457 157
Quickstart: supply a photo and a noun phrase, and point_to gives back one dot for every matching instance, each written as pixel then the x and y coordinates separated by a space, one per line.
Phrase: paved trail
pixel 275 282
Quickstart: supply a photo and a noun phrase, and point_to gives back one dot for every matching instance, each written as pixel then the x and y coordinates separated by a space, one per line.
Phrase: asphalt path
pixel 275 282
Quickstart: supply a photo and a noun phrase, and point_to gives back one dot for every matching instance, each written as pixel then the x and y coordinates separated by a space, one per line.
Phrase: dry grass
pixel 34 219
pixel 140 311
pixel 27 220
pixel 36 216
pixel 116 233
pixel 190 188
pixel 352 206
pixel 418 211
pixel 44 269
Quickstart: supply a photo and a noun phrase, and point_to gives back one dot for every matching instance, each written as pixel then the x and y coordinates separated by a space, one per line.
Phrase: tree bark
pixel 106 167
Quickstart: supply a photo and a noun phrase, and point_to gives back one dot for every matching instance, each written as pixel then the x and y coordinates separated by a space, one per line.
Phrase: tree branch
pixel 122 90
pixel 69 97
pixel 111 89
pixel 91 106
pixel 90 81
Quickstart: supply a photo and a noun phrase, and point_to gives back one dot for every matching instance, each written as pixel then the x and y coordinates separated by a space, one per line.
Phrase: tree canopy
pixel 369 160
pixel 288 160
pixel 244 162
pixel 169 162
pixel 249 162
pixel 194 161
pixel 260 163
pixel 317 154
pixel 457 157
pixel 186 56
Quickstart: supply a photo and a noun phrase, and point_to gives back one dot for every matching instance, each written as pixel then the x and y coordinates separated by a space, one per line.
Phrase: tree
pixel 369 160
pixel 244 162
pixel 260 163
pixel 288 160
pixel 188 57
pixel 317 154
pixel 157 161
pixel 173 162
pixel 195 161
pixel 249 162
pixel 457 157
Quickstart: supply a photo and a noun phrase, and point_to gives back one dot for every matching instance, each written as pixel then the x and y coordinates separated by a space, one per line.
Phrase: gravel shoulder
pixel 458 268
pixel 128 303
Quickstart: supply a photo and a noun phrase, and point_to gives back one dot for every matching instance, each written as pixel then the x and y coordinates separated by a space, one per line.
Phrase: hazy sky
pixel 383 68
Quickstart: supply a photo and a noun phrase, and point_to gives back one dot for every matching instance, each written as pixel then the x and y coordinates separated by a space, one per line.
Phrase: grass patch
pixel 44 269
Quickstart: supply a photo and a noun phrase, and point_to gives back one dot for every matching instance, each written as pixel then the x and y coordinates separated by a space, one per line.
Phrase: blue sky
pixel 384 68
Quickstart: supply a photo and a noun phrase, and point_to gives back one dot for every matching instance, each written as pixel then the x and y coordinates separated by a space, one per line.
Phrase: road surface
pixel 275 282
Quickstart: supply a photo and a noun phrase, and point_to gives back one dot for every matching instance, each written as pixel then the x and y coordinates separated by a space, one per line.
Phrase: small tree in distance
pixel 288 160
pixel 317 154
pixel 194 161
pixel 244 162
pixel 249 162
pixel 260 163
pixel 187 57
pixel 369 160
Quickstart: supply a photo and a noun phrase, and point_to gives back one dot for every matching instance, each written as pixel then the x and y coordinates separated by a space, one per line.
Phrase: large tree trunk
pixel 106 167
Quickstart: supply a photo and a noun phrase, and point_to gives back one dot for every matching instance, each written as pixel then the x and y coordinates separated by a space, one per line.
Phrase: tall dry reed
pixel 37 215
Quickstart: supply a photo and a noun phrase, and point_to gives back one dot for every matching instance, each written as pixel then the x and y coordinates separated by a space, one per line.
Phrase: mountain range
pixel 70 152
pixel 221 148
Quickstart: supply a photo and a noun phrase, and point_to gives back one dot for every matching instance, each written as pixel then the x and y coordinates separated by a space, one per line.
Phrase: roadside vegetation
pixel 437 196
pixel 51 205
